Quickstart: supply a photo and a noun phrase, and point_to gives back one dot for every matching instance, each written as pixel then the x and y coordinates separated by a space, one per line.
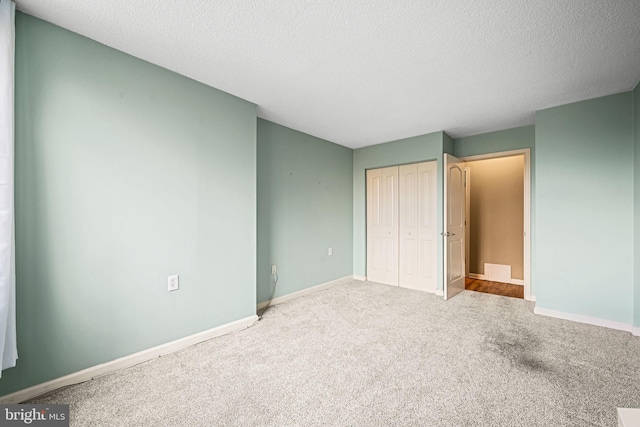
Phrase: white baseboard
pixel 439 292
pixel 361 278
pixel 583 319
pixel 519 282
pixel 127 361
pixel 297 294
pixel 636 331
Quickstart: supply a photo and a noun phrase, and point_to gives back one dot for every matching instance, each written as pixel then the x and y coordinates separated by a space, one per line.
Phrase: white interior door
pixel 454 226
pixel 408 225
pixel 382 225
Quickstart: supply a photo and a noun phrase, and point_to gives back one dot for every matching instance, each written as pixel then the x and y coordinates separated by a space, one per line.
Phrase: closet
pixel 402 225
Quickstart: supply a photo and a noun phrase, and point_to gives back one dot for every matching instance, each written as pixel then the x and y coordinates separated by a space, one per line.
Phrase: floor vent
pixel 497 273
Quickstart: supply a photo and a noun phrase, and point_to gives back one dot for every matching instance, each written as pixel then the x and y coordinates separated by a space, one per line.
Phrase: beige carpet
pixel 365 354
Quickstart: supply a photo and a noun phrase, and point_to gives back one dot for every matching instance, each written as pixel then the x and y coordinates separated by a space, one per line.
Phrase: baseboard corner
pixel 302 292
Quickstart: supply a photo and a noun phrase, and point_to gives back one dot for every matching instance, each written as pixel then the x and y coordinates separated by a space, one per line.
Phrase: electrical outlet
pixel 274 269
pixel 330 251
pixel 174 283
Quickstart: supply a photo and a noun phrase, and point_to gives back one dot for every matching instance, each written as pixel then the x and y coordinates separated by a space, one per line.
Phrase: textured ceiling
pixel 362 72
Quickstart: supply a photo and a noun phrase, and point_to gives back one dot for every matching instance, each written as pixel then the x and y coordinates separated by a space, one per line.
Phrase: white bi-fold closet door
pixel 402 226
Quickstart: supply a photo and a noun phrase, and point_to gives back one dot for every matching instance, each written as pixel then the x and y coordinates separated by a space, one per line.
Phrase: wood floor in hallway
pixel 496 288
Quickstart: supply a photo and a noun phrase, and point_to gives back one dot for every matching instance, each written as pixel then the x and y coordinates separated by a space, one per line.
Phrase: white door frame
pixel 526 152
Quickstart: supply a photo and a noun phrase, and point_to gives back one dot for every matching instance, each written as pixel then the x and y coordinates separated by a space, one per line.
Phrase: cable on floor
pixel 273 292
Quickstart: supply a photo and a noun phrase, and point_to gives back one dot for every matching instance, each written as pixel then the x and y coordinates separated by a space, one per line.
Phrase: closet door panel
pixel 402 226
pixel 382 225
pixel 374 226
pixel 390 227
pixel 427 226
pixel 408 227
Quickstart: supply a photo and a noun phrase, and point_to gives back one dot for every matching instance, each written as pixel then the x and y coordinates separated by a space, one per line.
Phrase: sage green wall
pixel 636 189
pixel 447 144
pixel 410 150
pixel 495 142
pixel 125 173
pixel 585 208
pixel 506 140
pixel 304 207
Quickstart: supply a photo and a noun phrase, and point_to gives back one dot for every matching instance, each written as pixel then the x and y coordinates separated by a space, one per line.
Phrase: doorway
pixel 497 223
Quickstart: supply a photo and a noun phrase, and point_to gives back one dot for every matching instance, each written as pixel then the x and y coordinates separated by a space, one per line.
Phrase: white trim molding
pixel 127 361
pixel 636 331
pixel 439 292
pixel 361 278
pixel 298 294
pixel 583 319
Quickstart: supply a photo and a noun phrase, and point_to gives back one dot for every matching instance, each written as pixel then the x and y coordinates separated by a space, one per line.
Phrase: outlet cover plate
pixel 174 283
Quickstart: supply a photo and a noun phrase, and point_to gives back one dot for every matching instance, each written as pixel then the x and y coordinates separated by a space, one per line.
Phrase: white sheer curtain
pixel 8 351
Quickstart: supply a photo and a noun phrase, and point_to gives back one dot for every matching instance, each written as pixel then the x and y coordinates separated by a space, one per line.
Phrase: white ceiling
pixel 362 72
